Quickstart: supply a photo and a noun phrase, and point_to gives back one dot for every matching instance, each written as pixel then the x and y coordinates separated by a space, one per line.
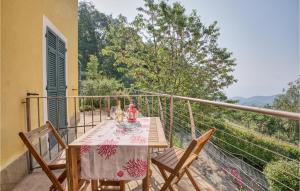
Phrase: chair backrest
pixel 37 133
pixel 203 139
pixel 29 137
pixel 195 147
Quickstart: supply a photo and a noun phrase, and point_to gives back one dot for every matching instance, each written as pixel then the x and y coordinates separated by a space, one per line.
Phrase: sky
pixel 262 34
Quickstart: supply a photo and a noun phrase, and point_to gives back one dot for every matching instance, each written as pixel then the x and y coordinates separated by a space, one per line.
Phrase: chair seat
pixel 170 157
pixel 59 162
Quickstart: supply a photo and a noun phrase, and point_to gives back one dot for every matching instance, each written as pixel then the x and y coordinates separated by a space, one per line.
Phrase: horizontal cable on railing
pixel 222 150
pixel 254 167
pixel 234 177
pixel 184 128
pixel 265 162
pixel 245 152
pixel 274 152
pixel 250 154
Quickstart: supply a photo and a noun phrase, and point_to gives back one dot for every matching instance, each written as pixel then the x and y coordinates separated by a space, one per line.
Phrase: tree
pixel 91 25
pixel 290 101
pixel 92 38
pixel 92 68
pixel 166 50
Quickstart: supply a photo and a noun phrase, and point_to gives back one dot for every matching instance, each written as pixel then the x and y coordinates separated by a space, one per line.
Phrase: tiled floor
pixel 38 181
pixel 209 178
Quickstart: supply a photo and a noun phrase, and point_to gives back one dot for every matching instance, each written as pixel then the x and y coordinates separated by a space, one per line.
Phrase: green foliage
pixel 169 51
pixel 284 129
pixel 253 147
pixel 278 170
pixel 92 38
pixel 290 101
pixel 92 68
pixel 101 87
pixel 287 130
pixel 245 145
pixel 91 26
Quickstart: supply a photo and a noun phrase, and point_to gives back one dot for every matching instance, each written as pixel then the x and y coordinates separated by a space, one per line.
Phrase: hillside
pixel 255 100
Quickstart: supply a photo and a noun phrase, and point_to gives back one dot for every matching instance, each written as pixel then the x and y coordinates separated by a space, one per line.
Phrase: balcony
pixel 230 160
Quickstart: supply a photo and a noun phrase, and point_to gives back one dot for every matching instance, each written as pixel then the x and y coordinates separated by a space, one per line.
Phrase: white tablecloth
pixel 112 152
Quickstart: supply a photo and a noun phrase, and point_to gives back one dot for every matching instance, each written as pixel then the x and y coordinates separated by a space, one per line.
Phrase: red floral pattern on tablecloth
pixel 136 167
pixel 107 149
pixel 84 149
pixel 112 152
pixel 120 173
pixel 137 139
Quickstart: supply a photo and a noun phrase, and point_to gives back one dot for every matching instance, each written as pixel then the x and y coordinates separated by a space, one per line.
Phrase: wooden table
pixel 156 140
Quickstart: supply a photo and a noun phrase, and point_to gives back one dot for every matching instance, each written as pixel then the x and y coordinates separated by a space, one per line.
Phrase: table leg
pixel 122 185
pixel 146 180
pixel 72 161
pixel 94 185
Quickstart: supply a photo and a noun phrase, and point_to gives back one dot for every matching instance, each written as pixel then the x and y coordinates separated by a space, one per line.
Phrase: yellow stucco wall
pixel 22 62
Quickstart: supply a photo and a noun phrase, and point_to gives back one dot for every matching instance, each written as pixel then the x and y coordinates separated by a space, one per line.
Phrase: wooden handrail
pixel 277 113
pixel 272 112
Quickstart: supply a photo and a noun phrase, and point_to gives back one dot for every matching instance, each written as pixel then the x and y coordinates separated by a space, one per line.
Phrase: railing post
pixel 100 108
pixel 171 121
pixel 161 112
pixel 152 105
pixel 75 115
pixel 108 108
pixel 58 119
pixel 28 123
pixel 83 106
pixel 39 123
pixel 192 121
pixel 165 110
pixel 28 114
pixel 92 112
pixel 49 143
pixel 124 103
pixel 140 105
pixel 147 106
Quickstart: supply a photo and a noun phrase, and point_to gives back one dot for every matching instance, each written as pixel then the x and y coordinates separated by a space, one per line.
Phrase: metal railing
pixel 183 119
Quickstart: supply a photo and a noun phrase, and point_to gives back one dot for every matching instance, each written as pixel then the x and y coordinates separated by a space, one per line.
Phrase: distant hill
pixel 259 101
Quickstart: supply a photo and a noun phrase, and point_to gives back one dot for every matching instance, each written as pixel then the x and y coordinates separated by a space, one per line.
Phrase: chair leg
pixel 168 182
pixel 63 176
pixel 179 176
pixel 164 175
pixel 192 179
pixel 56 183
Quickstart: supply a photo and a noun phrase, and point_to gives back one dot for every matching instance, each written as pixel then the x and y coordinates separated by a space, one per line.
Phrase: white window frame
pixel 49 24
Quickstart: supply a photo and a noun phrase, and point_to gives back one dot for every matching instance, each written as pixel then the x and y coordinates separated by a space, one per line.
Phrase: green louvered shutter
pixel 61 79
pixel 56 81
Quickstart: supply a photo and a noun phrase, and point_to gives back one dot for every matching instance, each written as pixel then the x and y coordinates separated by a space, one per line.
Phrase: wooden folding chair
pixel 59 162
pixel 177 161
